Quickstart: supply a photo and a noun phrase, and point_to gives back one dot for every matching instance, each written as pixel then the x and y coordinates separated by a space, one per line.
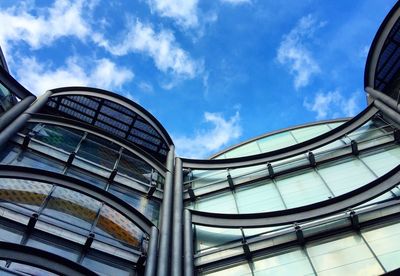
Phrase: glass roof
pixel 112 118
pixel 389 60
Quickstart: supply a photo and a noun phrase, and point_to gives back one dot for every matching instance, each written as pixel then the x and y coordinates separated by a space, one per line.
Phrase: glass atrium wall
pixel 90 185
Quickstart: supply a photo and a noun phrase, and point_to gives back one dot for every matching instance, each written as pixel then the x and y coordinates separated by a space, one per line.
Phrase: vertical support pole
pixel 163 262
pixel 151 262
pixel 188 266
pixel 177 219
pixel 21 120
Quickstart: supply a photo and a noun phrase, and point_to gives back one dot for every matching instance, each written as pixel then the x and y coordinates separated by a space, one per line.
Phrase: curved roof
pixel 383 62
pixel 273 140
pixel 113 114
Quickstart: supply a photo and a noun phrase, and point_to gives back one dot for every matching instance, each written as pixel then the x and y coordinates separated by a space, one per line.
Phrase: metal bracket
pixel 140 262
pixel 191 194
pixel 32 222
pixel 299 234
pixel 354 147
pixel 246 249
pixel 230 182
pixel 311 159
pixel 270 170
pixel 152 189
pixel 26 141
pixel 355 223
pixel 71 158
pixel 112 175
pixel 88 242
pixel 396 134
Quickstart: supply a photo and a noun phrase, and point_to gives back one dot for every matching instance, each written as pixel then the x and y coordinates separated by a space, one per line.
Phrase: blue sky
pixel 214 72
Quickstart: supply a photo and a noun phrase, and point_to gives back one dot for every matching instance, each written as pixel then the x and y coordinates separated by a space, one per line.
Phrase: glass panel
pixel 276 141
pixel 15 156
pixel 239 269
pixel 59 137
pixel 383 161
pixel 260 197
pixel 302 188
pixel 115 225
pixel 385 242
pixel 346 175
pixel 104 267
pixel 201 178
pixel 72 207
pixel 58 249
pixel 244 150
pixel 147 207
pixel 87 177
pixel 7 100
pixel 27 193
pixel 221 203
pixel 30 270
pixel 346 255
pixel 10 234
pixel 306 133
pixel 212 237
pixel 291 263
pixel 99 151
pixel 134 167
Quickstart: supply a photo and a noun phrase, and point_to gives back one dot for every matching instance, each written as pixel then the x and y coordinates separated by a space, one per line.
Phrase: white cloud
pixel 161 47
pixel 333 104
pixel 184 12
pixel 236 2
pixel 209 140
pixel 293 52
pixel 43 26
pixel 146 87
pixel 39 77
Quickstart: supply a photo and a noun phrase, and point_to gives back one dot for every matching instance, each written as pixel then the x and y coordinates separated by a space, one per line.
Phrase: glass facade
pixel 90 185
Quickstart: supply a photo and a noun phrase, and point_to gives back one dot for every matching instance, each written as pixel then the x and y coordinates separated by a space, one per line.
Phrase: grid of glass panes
pixel 303 186
pixel 95 159
pixel 278 140
pixel 112 262
pixel 372 251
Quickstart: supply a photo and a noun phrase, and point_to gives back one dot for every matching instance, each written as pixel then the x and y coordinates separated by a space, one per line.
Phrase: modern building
pixel 90 184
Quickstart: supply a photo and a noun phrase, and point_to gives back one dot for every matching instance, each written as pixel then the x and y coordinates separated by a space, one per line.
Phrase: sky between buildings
pixel 213 72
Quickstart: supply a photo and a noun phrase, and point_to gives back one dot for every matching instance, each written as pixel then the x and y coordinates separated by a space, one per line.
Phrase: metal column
pixel 163 264
pixel 188 266
pixel 151 262
pixel 177 219
pixel 21 120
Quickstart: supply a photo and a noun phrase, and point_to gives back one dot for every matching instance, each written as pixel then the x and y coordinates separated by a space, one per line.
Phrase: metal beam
pixel 21 120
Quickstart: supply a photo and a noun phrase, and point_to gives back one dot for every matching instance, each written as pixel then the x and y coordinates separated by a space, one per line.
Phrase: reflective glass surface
pixel 20 192
pixel 346 255
pixel 72 207
pixel 7 99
